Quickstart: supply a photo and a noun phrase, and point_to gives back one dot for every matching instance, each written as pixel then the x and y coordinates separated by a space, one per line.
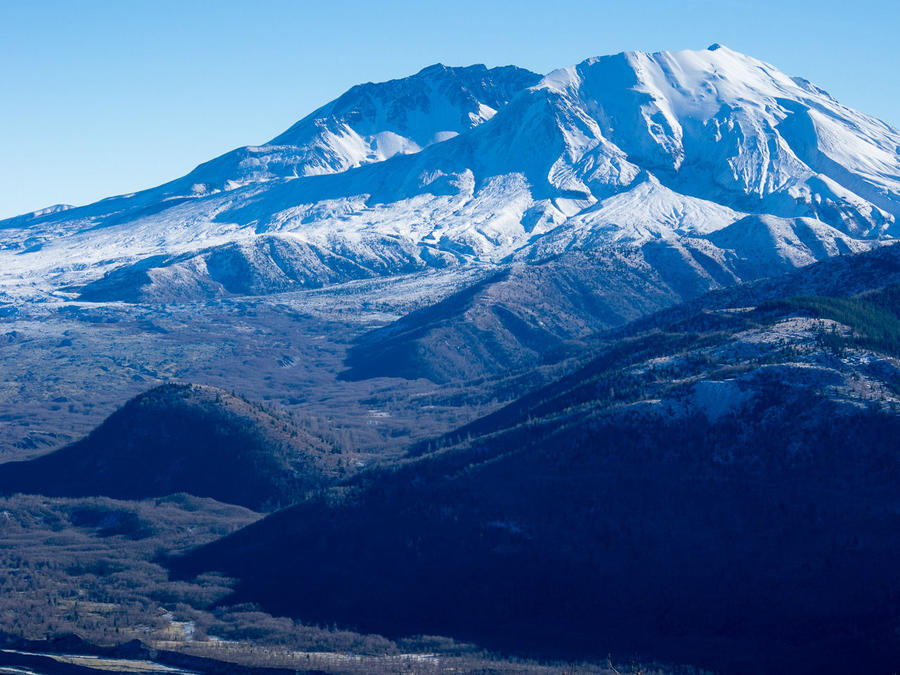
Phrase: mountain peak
pixel 435 68
pixel 723 135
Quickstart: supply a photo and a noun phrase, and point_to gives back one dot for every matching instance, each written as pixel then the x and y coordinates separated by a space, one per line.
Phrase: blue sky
pixel 102 98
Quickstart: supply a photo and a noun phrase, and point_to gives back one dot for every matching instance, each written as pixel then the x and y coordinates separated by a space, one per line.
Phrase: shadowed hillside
pixel 183 438
pixel 720 491
pixel 513 318
pixel 528 315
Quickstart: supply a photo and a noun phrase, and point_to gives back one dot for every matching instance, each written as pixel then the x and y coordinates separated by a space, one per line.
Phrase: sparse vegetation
pixel 91 567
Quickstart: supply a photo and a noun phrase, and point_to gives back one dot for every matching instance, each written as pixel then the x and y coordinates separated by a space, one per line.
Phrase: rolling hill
pixel 184 438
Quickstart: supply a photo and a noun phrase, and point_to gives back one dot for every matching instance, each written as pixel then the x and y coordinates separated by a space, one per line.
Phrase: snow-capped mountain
pixel 720 155
pixel 371 123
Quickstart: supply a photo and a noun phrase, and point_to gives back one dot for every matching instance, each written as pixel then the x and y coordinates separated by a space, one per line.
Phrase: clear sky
pixel 102 98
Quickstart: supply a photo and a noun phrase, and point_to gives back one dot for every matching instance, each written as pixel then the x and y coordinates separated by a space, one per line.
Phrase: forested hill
pixel 720 491
pixel 184 438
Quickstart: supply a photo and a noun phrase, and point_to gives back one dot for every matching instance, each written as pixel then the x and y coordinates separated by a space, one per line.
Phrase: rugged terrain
pixel 597 362
pixel 730 165
pixel 718 489
pixel 536 210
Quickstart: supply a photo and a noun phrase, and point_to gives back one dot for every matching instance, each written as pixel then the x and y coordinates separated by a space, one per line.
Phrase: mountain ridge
pixel 703 139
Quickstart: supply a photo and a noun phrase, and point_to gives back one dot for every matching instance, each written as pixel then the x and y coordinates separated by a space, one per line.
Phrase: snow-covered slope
pixel 712 124
pixel 709 151
pixel 371 123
